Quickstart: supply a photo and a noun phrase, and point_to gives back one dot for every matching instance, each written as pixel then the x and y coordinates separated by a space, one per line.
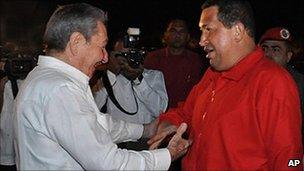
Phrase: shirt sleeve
pixel 120 130
pixel 75 126
pixel 280 121
pixel 152 92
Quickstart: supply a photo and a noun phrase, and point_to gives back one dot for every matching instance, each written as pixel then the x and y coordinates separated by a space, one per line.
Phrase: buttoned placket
pixel 211 100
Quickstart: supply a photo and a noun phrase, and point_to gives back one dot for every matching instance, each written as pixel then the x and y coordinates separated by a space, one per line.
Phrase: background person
pixel 181 67
pixel 279 45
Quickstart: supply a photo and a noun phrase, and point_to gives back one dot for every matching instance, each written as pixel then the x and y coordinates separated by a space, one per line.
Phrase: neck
pixel 176 51
pixel 59 55
pixel 244 49
pixel 73 61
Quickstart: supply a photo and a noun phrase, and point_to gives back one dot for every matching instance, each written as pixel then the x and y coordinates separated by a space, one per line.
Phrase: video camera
pixel 17 65
pixel 135 55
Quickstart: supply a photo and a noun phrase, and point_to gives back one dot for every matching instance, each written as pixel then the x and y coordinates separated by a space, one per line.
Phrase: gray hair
pixel 67 19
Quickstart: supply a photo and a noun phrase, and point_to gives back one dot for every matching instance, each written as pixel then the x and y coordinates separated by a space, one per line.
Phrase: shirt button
pixel 199 135
pixel 204 115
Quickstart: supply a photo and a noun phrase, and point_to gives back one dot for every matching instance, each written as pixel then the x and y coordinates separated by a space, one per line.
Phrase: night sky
pixel 27 18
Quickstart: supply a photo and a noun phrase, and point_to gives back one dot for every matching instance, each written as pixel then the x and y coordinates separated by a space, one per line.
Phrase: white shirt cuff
pixel 162 159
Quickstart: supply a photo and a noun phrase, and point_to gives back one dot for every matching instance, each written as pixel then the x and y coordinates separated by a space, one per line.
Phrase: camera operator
pixel 140 93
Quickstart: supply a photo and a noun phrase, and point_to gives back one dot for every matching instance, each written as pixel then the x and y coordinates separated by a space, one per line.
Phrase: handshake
pixel 177 146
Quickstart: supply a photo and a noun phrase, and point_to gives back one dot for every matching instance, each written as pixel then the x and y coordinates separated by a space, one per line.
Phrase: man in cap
pixel 278 44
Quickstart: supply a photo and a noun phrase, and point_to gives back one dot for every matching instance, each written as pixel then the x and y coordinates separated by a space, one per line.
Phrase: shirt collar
pixel 242 67
pixel 72 72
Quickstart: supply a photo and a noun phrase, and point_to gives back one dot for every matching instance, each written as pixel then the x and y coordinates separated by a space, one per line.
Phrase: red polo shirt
pixel 247 118
pixel 181 72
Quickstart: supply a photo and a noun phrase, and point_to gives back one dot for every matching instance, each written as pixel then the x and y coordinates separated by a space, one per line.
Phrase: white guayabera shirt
pixel 7 153
pixel 150 95
pixel 58 126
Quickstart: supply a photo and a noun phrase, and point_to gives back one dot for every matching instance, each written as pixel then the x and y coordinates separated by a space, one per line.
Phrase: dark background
pixel 23 21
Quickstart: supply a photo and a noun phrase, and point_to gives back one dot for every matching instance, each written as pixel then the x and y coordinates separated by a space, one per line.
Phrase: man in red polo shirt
pixel 245 112
pixel 182 68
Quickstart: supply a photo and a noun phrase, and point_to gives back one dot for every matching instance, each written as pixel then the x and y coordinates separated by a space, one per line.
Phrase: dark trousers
pixel 8 167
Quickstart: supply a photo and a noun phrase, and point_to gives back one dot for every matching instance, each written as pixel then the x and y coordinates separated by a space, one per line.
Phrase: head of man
pixel 277 45
pixel 76 34
pixel 227 32
pixel 177 34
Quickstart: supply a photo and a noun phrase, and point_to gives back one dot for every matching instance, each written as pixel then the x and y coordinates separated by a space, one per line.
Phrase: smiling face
pixel 217 40
pixel 93 51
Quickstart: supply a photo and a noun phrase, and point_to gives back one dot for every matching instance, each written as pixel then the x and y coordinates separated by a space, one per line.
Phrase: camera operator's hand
pixel 129 72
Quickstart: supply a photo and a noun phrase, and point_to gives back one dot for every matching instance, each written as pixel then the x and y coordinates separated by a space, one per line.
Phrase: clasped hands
pixel 177 146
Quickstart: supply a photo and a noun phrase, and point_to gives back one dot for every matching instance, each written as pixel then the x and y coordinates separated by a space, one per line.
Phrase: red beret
pixel 277 33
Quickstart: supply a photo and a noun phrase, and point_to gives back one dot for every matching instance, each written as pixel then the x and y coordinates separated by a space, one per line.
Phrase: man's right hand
pixel 177 145
pixel 164 130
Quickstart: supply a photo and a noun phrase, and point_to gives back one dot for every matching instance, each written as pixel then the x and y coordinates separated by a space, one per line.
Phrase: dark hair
pixel 176 21
pixel 232 11
pixel 118 37
pixel 67 19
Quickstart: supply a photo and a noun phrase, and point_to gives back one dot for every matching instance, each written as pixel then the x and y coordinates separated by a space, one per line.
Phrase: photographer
pixel 141 93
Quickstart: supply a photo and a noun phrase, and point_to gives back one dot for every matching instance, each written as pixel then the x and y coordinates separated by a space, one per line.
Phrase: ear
pixel 289 55
pixel 75 42
pixel 165 37
pixel 188 37
pixel 238 31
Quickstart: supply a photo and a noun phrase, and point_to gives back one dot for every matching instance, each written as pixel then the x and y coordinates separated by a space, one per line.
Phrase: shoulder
pixel 193 55
pixel 299 77
pixel 153 59
pixel 272 77
pixel 157 52
pixel 269 69
pixel 46 81
pixel 152 73
pixel 52 79
pixel 195 59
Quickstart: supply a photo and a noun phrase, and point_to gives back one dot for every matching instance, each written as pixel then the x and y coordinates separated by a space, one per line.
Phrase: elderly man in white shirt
pixel 57 123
